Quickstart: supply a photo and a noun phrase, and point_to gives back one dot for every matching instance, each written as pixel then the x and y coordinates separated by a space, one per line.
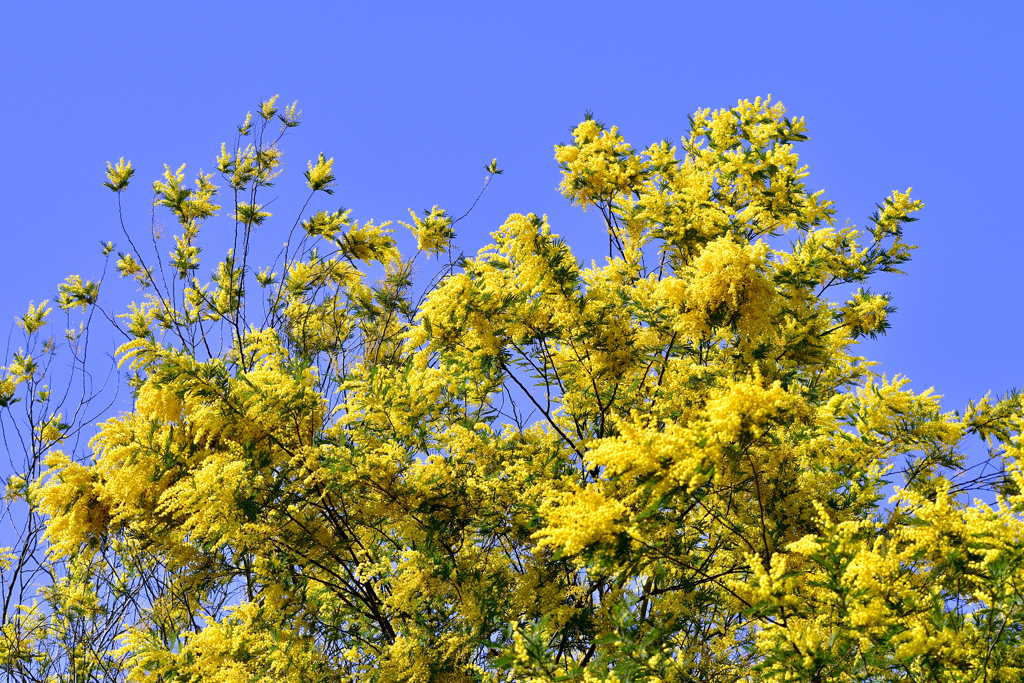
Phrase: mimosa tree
pixel 672 466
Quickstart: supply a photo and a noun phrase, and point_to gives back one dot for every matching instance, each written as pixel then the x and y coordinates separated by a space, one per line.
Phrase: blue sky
pixel 412 99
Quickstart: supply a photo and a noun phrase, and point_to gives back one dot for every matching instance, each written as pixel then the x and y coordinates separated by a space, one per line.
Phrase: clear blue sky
pixel 412 99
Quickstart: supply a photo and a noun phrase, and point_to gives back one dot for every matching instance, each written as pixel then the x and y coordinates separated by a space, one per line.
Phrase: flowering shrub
pixel 669 467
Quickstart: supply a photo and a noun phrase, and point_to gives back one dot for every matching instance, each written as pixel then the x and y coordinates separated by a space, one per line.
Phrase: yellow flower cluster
pixel 433 232
pixel 598 165
pixel 579 518
pixel 725 286
pixel 319 177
